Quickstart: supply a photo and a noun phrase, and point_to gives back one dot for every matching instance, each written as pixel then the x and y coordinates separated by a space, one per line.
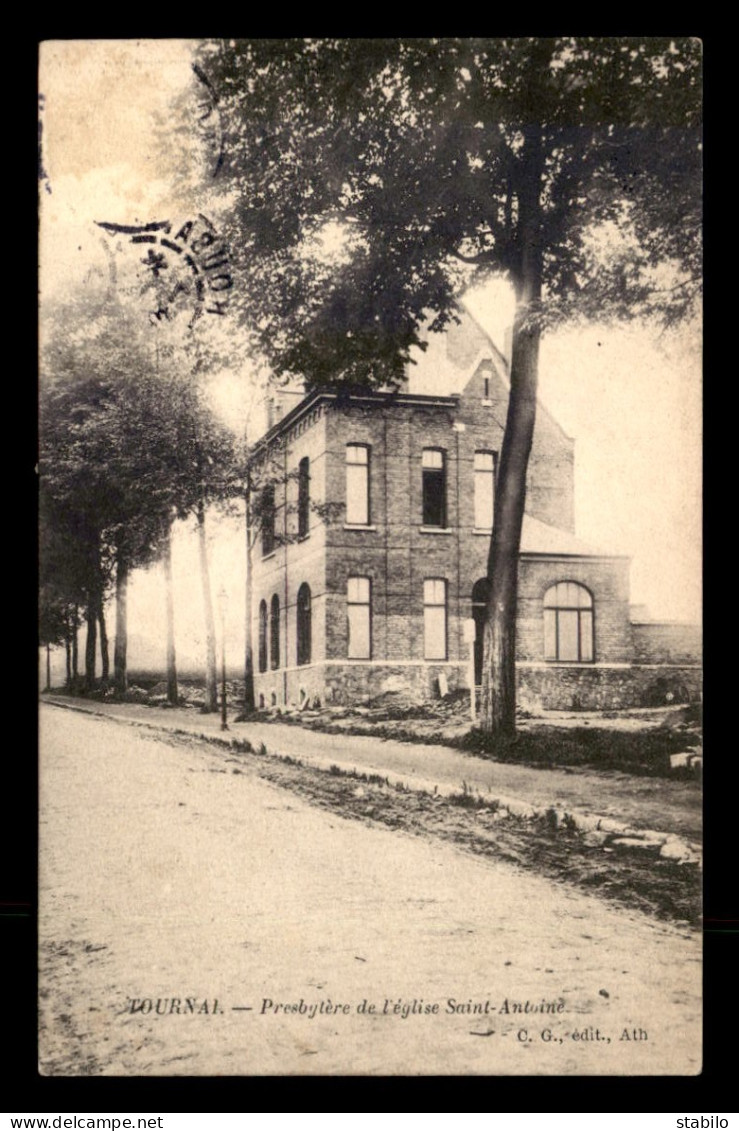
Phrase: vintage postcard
pixel 371 712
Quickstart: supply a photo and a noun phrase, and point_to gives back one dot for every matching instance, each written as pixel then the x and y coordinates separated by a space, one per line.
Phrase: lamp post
pixel 222 600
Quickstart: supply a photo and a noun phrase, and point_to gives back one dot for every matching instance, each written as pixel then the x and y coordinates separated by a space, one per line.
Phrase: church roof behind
pixel 451 356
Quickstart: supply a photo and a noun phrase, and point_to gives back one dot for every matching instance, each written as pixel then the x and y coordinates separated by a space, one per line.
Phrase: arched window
pixel 274 632
pixel 304 497
pixel 304 625
pixel 262 636
pixel 568 623
pixel 267 519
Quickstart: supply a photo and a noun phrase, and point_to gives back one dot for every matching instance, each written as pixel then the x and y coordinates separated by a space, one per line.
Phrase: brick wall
pixel 550 482
pixel 294 561
pixel 607 580
pixel 671 643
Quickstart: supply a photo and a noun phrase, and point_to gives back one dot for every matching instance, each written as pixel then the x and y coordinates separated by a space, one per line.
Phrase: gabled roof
pixel 452 357
pixel 539 537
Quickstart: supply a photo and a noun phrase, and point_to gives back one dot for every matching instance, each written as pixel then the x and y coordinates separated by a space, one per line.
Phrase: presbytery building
pixel 370 564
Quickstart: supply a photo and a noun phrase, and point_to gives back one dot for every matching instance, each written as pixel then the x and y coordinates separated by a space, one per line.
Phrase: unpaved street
pixel 177 900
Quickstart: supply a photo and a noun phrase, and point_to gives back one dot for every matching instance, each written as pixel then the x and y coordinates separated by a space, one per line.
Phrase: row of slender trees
pixel 128 446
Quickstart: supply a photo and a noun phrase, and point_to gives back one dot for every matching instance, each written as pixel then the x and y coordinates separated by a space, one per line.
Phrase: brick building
pixel 374 551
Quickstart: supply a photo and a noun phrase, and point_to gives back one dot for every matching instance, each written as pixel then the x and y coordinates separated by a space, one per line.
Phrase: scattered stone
pixel 587 823
pixel 136 694
pixel 521 809
pixel 632 842
pixel 676 849
pixel 616 827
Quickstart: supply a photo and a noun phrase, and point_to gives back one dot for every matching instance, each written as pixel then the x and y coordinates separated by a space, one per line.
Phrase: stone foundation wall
pixel 354 683
pixel 559 687
pixel 563 688
pixel 540 687
pixel 288 688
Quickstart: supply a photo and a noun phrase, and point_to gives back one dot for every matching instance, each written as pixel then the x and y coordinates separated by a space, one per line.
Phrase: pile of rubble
pixel 191 693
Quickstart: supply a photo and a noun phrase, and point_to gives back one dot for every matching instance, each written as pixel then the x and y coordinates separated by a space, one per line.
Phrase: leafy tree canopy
pixel 127 440
pixel 369 182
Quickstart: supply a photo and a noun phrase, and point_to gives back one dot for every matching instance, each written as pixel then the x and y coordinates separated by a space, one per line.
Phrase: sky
pixel 630 398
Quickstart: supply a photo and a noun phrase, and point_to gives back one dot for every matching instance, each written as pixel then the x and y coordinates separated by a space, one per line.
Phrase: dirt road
pixel 198 922
pixel 639 802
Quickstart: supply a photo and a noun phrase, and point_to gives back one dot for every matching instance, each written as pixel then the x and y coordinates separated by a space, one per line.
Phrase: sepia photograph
pixel 370 648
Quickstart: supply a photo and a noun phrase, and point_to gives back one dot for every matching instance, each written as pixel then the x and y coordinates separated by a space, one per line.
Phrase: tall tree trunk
pixel 75 647
pixel 120 668
pixel 68 653
pixel 211 675
pixel 91 614
pixel 104 650
pixel 498 701
pixel 172 689
pixel 249 703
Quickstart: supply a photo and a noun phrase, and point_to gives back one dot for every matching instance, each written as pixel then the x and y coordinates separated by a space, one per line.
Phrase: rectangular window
pixel 359 614
pixel 484 490
pixel 434 487
pixel 434 618
pixel 357 485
